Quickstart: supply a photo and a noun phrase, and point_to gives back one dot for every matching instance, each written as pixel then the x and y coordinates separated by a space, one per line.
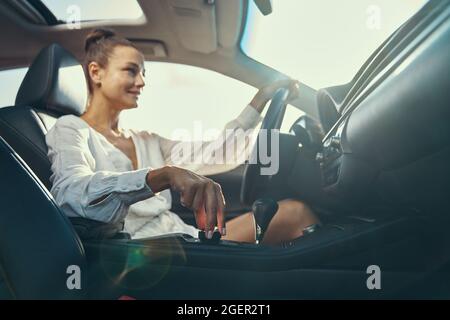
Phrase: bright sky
pixel 323 42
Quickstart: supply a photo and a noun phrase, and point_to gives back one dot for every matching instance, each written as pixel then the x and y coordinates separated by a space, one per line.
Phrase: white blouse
pixel 86 166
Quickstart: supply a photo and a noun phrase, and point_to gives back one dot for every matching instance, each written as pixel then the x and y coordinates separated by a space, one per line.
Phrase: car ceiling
pixel 177 28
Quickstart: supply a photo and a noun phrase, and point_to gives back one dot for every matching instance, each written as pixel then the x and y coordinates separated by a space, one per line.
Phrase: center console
pixel 331 243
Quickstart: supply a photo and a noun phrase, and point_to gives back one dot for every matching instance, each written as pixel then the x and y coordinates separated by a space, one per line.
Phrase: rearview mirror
pixel 265 6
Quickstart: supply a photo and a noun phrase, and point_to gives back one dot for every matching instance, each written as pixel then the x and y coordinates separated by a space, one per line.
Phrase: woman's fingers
pixel 198 200
pixel 203 196
pixel 198 206
pixel 220 210
pixel 292 85
pixel 284 84
pixel 205 207
pixel 211 208
pixel 294 89
pixel 200 217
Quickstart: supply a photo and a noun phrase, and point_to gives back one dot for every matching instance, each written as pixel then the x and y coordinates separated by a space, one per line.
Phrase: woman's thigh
pixel 241 228
pixel 287 224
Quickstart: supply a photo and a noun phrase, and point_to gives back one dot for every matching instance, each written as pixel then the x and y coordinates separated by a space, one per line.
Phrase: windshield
pixel 322 42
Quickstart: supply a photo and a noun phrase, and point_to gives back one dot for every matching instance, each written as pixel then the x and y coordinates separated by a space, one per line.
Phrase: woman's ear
pixel 95 73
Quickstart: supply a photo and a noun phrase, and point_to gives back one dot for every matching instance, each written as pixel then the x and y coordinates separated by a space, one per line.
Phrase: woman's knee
pixel 298 211
pixel 292 205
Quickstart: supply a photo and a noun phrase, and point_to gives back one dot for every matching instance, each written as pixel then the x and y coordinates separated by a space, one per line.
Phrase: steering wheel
pixel 252 180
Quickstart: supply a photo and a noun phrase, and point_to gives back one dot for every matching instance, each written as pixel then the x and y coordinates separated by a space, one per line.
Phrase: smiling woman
pixel 113 175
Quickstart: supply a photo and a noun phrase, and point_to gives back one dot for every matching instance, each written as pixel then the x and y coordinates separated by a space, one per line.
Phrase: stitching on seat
pixel 50 75
pixel 39 120
pixel 25 138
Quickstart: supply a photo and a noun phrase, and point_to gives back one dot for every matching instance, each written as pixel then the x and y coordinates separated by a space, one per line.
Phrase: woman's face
pixel 122 79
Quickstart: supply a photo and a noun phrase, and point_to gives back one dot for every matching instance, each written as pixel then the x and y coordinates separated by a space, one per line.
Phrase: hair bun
pixel 97 35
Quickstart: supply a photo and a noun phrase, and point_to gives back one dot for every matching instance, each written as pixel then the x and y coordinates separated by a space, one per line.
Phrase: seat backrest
pixel 37 241
pixel 53 86
pixel 38 244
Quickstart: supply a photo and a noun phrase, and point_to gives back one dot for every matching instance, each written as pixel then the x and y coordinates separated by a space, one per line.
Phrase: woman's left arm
pixel 232 145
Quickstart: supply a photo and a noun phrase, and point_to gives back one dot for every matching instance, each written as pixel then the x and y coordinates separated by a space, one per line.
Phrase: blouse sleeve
pixel 78 190
pixel 236 130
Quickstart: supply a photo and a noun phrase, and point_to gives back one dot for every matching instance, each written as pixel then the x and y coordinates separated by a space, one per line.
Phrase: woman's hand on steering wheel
pixel 266 93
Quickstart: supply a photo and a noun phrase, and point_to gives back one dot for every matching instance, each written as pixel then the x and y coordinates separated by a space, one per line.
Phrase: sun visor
pixel 204 25
pixel 195 24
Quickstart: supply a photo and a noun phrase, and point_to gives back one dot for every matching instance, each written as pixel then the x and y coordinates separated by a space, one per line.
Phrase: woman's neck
pixel 102 116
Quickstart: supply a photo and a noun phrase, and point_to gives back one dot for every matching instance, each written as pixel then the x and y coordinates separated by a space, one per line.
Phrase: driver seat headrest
pixel 53 86
pixel 54 82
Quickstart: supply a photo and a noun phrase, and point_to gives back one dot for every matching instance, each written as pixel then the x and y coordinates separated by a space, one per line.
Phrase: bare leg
pixel 287 224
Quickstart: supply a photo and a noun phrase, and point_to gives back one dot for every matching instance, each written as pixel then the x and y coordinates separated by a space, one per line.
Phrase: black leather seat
pixel 37 242
pixel 53 86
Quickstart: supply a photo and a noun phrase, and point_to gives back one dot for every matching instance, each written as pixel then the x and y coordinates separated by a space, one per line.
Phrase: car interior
pixel 370 156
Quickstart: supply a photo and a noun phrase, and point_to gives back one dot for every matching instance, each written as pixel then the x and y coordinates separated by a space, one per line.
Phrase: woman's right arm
pixel 78 190
pixel 105 195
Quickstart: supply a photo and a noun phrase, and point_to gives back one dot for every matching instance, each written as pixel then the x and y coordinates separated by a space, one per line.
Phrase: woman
pixel 109 174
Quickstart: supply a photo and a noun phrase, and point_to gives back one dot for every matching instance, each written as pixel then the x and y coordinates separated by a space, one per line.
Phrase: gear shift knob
pixel 263 211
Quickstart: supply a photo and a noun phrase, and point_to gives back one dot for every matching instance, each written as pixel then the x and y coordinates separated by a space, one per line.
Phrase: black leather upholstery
pixel 55 81
pixel 37 242
pixel 24 130
pixel 53 86
pixel 394 147
pixel 328 103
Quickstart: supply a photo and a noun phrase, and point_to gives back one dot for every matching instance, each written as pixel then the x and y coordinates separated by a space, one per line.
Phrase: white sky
pixel 323 42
